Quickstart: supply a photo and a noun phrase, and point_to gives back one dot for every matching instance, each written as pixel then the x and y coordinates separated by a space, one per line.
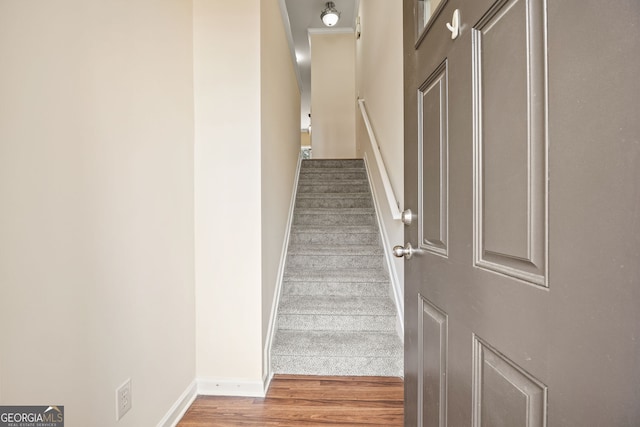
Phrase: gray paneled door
pixel 522 167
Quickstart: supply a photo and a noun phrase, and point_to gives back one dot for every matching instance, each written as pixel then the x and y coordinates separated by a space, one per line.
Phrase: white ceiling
pixel 304 17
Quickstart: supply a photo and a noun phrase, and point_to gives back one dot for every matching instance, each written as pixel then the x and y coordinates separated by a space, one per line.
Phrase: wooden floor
pixel 306 401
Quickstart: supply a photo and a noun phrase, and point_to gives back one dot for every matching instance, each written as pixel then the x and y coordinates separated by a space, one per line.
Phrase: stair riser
pixel 334 261
pixel 337 366
pixel 334 203
pixel 335 288
pixel 334 239
pixel 346 163
pixel 348 344
pixel 333 188
pixel 334 219
pixel 336 250
pixel 349 276
pixel 314 176
pixel 337 306
pixel 321 322
pixel 366 195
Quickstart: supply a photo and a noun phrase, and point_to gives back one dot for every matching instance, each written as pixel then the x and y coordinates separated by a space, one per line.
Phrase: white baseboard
pixel 276 300
pixel 177 411
pixel 230 387
pixel 212 387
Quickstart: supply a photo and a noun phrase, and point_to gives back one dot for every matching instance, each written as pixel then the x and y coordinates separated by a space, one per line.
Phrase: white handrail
pixel 388 189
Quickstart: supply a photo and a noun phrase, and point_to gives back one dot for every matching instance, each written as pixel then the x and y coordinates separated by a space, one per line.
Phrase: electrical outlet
pixel 123 399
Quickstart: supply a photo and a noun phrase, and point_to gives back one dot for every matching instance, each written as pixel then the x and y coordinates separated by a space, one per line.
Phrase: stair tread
pixel 338 192
pixel 337 250
pixel 313 173
pixel 359 229
pixel 328 169
pixel 336 211
pixel 316 283
pixel 334 218
pixel 322 175
pixel 375 289
pixel 361 184
pixel 342 195
pixel 362 180
pixel 345 168
pixel 332 322
pixel 323 262
pixel 338 187
pixel 331 163
pixel 337 343
pixel 337 305
pixel 337 275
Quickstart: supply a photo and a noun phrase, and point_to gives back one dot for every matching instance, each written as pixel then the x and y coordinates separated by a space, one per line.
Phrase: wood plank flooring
pixel 306 401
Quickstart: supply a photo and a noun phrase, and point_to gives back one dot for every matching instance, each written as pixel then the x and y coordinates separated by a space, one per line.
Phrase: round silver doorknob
pixel 407 251
pixel 407 217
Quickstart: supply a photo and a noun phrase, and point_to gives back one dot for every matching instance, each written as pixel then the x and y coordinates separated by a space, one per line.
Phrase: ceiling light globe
pixel 330 19
pixel 330 15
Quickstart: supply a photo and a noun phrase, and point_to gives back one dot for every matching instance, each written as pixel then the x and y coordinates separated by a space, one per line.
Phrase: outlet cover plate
pixel 123 399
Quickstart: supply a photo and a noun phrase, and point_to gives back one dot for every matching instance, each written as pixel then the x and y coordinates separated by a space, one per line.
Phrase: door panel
pixel 433 167
pixel 432 374
pixel 510 140
pixel 503 394
pixel 522 163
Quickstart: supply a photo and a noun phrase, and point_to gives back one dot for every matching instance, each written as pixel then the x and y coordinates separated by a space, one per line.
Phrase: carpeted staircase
pixel 335 316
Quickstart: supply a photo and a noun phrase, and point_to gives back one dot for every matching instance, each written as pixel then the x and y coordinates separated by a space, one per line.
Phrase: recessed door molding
pixel 503 391
pixel 433 163
pixel 432 371
pixel 510 141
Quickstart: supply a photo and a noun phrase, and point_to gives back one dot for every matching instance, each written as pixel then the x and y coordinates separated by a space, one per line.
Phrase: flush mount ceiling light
pixel 330 15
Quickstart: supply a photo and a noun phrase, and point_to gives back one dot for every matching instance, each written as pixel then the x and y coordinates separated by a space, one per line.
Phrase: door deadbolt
pixel 407 217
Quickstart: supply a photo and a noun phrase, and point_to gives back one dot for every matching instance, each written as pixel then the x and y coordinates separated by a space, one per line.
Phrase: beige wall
pixel 333 95
pixel 227 189
pixel 247 116
pixel 280 147
pixel 379 80
pixel 102 198
pixel 96 183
